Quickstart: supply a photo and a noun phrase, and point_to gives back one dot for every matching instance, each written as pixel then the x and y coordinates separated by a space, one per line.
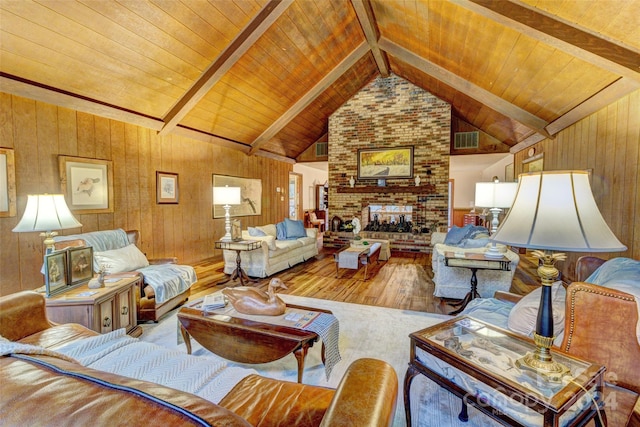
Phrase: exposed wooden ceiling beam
pixel 458 83
pixel 33 90
pixel 561 34
pixel 370 28
pixel 606 96
pixel 310 96
pixel 238 47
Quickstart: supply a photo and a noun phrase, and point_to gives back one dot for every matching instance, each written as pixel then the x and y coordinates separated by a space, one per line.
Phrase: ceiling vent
pixel 322 149
pixel 464 140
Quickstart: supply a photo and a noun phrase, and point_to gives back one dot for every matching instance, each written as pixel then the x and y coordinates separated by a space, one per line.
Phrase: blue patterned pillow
pixel 294 228
pixel 281 231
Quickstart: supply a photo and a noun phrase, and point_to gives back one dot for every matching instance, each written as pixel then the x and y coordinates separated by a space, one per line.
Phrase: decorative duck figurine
pixel 248 300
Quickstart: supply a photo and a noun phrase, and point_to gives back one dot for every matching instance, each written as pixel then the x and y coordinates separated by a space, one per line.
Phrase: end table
pixel 238 246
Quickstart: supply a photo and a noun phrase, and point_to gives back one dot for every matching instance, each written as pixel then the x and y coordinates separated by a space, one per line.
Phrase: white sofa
pixel 275 254
pixel 455 282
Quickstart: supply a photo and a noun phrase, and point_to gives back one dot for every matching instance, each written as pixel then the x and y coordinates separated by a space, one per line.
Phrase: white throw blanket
pixel 206 376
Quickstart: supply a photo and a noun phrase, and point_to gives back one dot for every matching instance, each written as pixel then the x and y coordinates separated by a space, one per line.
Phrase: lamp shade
pixel 495 194
pixel 46 212
pixel 555 210
pixel 226 195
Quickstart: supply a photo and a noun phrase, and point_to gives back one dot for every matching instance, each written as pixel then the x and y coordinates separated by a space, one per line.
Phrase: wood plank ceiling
pixel 263 76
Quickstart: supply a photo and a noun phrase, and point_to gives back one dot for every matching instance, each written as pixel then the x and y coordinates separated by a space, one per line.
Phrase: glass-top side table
pixel 488 354
pixel 239 246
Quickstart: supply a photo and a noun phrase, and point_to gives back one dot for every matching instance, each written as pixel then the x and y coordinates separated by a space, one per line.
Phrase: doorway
pixel 295 195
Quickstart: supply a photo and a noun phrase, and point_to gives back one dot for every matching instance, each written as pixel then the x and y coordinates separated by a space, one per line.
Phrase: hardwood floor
pixel 403 282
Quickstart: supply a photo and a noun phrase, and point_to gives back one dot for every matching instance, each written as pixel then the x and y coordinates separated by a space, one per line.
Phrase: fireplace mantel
pixel 419 189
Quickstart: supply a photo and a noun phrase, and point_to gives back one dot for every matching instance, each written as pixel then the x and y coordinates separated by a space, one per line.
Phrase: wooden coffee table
pixel 247 341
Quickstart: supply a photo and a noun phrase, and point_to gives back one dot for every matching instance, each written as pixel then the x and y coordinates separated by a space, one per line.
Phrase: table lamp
pixel 226 196
pixel 496 196
pixel 553 211
pixel 45 213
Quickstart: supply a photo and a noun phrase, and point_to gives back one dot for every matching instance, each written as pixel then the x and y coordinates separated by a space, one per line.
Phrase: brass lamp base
pixel 541 362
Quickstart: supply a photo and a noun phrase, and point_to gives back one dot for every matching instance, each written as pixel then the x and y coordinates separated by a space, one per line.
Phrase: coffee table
pixel 247 341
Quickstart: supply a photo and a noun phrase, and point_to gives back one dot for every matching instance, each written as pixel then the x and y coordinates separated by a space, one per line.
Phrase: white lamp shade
pixel 226 195
pixel 46 212
pixel 555 210
pixel 495 194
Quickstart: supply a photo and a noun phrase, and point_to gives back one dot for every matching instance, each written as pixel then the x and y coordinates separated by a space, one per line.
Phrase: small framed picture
pixel 80 265
pixel 55 274
pixel 236 230
pixel 166 187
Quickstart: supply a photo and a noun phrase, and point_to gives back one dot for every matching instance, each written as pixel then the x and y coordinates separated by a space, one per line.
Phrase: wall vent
pixel 322 149
pixel 464 140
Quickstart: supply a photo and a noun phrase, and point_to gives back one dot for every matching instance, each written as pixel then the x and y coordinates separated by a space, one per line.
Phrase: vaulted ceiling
pixel 263 76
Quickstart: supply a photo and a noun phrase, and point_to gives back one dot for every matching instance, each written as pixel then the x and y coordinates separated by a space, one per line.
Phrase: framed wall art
pixel 166 187
pixel 87 184
pixel 383 163
pixel 55 273
pixel 534 163
pixel 250 196
pixel 7 183
pixel 79 265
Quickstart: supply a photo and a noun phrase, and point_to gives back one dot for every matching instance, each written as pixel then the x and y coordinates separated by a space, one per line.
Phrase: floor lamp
pixel 46 213
pixel 553 211
pixel 226 196
pixel 496 196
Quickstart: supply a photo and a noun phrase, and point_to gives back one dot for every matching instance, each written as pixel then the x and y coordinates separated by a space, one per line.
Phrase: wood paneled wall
pixel 608 144
pixel 39 132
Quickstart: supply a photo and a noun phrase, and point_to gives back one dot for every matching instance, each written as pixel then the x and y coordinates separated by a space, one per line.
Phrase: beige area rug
pixel 365 331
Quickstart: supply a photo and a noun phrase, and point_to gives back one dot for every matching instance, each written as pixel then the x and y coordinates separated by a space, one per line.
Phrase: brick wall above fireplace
pixel 391 112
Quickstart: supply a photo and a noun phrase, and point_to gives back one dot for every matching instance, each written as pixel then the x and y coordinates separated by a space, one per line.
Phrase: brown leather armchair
pixel 600 325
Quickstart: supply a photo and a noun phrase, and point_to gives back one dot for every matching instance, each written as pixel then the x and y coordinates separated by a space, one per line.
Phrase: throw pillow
pixel 128 258
pixel 294 228
pixel 523 316
pixel 475 243
pixel 281 231
pixel 255 232
pixel 269 229
pixel 455 235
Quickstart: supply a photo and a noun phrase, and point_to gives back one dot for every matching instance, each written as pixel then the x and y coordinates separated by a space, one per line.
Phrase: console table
pixel 481 354
pixel 238 246
pixel 102 310
pixel 474 262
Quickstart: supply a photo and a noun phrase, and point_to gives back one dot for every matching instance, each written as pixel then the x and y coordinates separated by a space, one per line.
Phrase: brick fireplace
pixel 391 112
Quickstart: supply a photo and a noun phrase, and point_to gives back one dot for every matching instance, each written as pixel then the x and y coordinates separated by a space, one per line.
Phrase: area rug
pixel 365 331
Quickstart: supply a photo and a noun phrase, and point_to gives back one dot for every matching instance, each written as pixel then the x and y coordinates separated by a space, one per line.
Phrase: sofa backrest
pixel 75 240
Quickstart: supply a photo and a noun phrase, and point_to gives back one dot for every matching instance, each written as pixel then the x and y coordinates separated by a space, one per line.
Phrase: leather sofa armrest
pixel 585 266
pixel 634 418
pixel 23 314
pixel 366 396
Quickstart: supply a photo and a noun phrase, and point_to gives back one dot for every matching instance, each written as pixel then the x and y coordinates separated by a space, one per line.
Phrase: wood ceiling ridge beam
pixel 310 96
pixel 473 91
pixel 556 32
pixel 33 90
pixel 367 19
pixel 223 63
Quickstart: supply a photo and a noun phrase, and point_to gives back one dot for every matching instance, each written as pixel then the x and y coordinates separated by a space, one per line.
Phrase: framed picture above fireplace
pixel 383 163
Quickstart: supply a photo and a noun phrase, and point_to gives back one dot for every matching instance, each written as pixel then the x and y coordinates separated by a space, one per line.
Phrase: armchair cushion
pixel 523 316
pixel 120 260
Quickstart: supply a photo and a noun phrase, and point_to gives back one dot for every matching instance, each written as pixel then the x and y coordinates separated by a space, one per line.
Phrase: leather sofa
pixel 147 305
pixel 41 389
pixel 275 254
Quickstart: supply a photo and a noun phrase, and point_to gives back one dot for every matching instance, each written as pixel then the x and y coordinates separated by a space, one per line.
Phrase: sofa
pixel 455 282
pixel 283 245
pixel 166 284
pixel 55 375
pixel 595 318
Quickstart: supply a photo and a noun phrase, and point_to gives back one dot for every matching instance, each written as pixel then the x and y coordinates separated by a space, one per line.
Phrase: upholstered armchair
pixel 165 283
pixel 454 282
